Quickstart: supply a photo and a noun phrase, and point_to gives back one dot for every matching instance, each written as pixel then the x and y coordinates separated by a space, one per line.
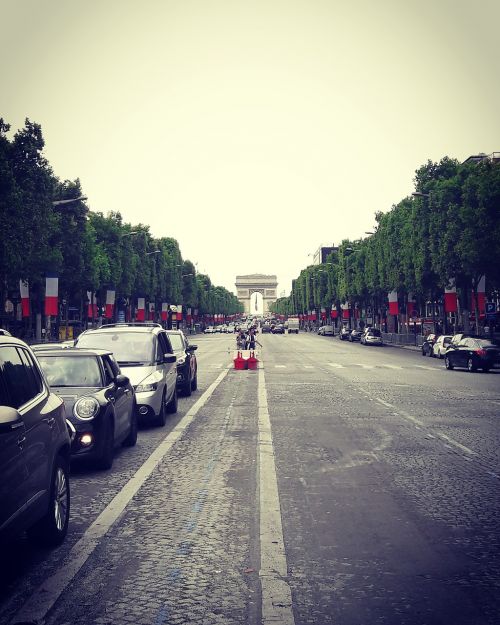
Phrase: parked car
pixel 371 336
pixel 279 328
pixel 4 332
pixel 344 333
pixel 355 335
pixel 326 331
pixel 266 328
pixel 441 345
pixel 145 355
pixel 187 365
pixel 99 400
pixel 34 449
pixel 209 330
pixel 473 353
pixel 428 344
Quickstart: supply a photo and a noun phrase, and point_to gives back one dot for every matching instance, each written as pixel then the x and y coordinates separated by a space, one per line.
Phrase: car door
pixel 13 471
pixel 462 352
pixel 169 368
pixel 121 396
pixel 30 396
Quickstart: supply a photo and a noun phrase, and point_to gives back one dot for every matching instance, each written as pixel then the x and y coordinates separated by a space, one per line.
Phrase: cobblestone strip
pixel 35 609
pixel 276 594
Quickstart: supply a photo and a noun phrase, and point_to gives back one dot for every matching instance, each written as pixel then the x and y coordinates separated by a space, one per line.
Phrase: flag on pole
pixel 393 303
pixel 450 298
pixel 110 304
pixel 141 309
pixel 164 311
pixel 92 311
pixel 51 294
pixel 25 297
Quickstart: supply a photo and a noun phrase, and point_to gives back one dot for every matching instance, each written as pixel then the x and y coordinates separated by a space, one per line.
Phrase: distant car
pixel 428 344
pixel 344 333
pixel 326 331
pixel 371 336
pixel 187 365
pixel 279 328
pixel 441 345
pixel 473 353
pixel 34 449
pixel 266 329
pixel 209 330
pixel 355 335
pixel 99 401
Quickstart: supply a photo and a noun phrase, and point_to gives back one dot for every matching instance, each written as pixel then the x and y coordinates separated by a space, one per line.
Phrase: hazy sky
pixel 252 132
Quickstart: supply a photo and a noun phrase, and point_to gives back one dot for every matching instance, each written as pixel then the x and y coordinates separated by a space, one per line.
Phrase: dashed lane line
pixel 45 596
pixel 273 573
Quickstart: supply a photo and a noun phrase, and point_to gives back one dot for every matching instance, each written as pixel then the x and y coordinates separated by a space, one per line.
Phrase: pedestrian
pixel 252 339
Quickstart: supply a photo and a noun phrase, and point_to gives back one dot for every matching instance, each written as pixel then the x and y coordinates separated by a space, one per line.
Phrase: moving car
pixel 145 355
pixel 99 401
pixel 441 345
pixel 473 353
pixel 187 365
pixel 371 336
pixel 34 449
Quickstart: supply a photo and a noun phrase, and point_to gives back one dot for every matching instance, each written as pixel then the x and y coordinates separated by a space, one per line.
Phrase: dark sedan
pixel 99 401
pixel 187 365
pixel 473 353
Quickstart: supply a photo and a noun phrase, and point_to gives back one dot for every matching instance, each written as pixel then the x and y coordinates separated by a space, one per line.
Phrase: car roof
pixel 114 327
pixel 9 340
pixel 75 352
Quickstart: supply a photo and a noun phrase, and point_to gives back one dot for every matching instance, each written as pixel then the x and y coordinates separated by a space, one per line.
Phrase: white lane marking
pixel 391 366
pixel 280 366
pixel 359 364
pixel 276 593
pixel 413 419
pixel 45 596
pixel 426 368
pixel 217 366
pixel 308 366
pixel 336 365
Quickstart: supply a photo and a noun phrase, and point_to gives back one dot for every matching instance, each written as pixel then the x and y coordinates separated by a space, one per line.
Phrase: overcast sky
pixel 252 131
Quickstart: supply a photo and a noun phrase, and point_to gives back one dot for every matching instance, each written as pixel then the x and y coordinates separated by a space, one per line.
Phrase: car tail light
pixel 481 352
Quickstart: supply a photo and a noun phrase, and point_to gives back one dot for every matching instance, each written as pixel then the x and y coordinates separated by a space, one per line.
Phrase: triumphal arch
pixel 266 286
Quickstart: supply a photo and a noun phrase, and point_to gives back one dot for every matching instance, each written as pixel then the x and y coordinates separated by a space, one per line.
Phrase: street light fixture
pixel 153 252
pixel 129 234
pixel 74 199
pixel 419 194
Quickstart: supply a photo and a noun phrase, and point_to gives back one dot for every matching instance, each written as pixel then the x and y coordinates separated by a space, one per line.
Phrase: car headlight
pixel 181 360
pixel 150 383
pixel 86 408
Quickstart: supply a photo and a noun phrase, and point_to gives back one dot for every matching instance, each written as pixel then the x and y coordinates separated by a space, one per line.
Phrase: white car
pixel 209 330
pixel 326 331
pixel 441 345
pixel 371 336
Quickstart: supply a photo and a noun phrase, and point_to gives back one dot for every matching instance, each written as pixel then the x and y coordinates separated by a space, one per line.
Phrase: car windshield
pixel 128 347
pixel 176 340
pixel 489 343
pixel 71 370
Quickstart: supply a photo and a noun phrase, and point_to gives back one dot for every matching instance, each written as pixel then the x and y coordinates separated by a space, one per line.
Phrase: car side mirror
pixel 192 348
pixel 168 358
pixel 121 380
pixel 10 419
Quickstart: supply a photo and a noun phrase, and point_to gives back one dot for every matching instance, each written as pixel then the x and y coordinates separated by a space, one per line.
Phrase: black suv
pixel 187 365
pixel 34 449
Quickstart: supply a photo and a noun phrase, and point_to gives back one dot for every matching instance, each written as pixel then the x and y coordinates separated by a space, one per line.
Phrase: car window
pixel 71 370
pixel 165 343
pixel 463 343
pixel 109 374
pixel 111 362
pixel 176 341
pixel 136 347
pixel 22 383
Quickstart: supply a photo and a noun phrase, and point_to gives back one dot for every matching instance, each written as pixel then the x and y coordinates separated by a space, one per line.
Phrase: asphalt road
pixel 337 484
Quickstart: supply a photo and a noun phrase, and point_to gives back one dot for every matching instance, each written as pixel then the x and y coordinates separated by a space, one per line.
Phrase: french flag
pixel 346 312
pixel 410 305
pixel 25 297
pixel 164 311
pixel 51 295
pixel 450 298
pixel 393 303
pixel 141 307
pixel 151 311
pixel 110 304
pixel 92 305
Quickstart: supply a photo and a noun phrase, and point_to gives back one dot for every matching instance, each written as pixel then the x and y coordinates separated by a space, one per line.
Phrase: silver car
pixel 145 355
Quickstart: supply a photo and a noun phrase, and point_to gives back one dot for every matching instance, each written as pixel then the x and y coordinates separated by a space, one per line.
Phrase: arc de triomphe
pixel 246 286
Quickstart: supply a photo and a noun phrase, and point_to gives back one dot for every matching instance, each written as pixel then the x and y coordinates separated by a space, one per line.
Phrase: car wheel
pixel 194 381
pixel 131 439
pixel 470 365
pixel 171 407
pixel 161 419
pixel 51 529
pixel 447 363
pixel 105 460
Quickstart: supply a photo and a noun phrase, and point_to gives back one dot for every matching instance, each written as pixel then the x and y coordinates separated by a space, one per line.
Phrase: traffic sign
pixel 490 310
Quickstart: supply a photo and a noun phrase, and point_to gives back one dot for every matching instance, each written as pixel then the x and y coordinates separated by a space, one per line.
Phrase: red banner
pixel 51 295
